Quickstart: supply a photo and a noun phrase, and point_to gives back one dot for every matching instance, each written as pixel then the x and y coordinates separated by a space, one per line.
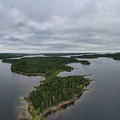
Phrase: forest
pixel 46 66
pixel 9 55
pixel 54 89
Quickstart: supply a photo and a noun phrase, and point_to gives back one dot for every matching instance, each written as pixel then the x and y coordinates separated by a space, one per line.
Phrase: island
pixel 54 92
pixel 85 62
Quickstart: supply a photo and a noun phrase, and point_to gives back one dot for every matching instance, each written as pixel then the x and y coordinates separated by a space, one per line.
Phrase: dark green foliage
pixel 8 55
pixel 85 62
pixel 41 65
pixel 116 56
pixel 56 89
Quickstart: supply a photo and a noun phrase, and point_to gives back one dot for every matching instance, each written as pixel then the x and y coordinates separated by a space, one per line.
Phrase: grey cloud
pixel 59 26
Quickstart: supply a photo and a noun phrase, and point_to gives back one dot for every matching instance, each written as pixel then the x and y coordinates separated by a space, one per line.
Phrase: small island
pixel 55 92
pixel 85 62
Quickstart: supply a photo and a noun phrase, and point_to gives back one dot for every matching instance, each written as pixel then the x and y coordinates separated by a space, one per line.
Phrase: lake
pixel 101 102
pixel 12 86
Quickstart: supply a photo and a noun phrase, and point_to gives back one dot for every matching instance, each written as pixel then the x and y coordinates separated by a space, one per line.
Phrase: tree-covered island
pixel 54 92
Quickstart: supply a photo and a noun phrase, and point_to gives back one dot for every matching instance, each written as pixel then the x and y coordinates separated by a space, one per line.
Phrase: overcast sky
pixel 40 26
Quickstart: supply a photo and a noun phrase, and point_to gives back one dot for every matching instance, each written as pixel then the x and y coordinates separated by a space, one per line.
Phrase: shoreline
pixel 23 113
pixel 40 74
pixel 61 105
pixel 29 74
pixel 57 107
pixel 24 107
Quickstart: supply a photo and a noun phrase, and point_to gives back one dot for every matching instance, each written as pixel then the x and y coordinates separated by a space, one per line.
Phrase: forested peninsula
pixel 10 55
pixel 54 92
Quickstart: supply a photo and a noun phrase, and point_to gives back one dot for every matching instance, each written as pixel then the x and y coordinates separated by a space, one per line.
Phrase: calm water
pixel 12 86
pixel 102 101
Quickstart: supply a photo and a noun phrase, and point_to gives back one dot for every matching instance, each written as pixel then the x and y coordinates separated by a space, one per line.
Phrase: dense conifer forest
pixel 54 89
pixel 46 66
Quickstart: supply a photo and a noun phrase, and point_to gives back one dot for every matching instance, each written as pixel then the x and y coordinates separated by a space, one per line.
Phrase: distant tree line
pixel 115 56
pixel 8 55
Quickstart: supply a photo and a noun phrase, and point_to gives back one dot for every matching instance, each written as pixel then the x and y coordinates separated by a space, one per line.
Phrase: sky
pixel 59 26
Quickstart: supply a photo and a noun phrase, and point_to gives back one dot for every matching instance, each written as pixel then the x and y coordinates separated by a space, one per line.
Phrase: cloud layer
pixel 40 26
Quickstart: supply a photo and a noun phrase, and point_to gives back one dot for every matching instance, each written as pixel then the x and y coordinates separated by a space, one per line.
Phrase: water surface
pixel 102 101
pixel 12 86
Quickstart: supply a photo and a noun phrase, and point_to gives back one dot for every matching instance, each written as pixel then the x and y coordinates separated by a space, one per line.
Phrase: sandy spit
pixel 23 113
